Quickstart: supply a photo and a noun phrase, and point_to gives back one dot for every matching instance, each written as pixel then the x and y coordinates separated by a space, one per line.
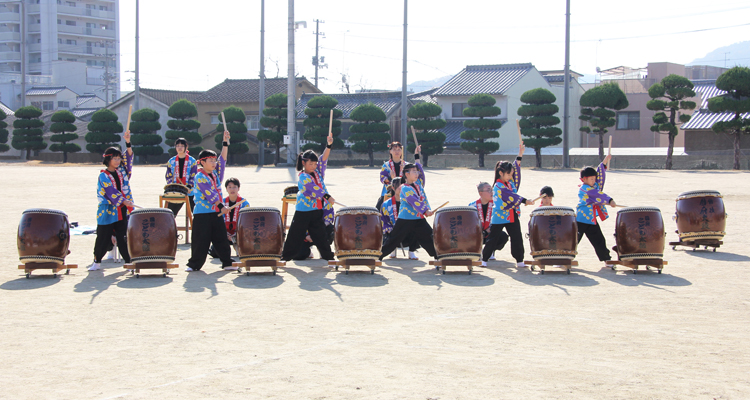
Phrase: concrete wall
pixel 697 141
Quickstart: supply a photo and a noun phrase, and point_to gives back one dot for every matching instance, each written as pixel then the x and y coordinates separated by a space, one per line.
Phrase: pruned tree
pixel 27 132
pixel 3 133
pixel 103 131
pixel 64 130
pixel 538 122
pixel 144 125
pixel 274 118
pixel 426 125
pixel 184 126
pixel 481 106
pixel 736 83
pixel 371 133
pixel 598 108
pixel 318 112
pixel 675 89
pixel 237 127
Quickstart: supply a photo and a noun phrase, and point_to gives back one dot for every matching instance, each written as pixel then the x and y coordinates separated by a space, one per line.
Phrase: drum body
pixel 152 235
pixel 553 233
pixel 457 234
pixel 43 236
pixel 358 233
pixel 639 233
pixel 290 192
pixel 260 234
pixel 700 215
pixel 176 189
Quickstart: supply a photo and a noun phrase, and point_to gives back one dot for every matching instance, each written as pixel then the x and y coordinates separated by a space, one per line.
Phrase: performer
pixel 391 169
pixel 115 202
pixel 230 220
pixel 411 215
pixel 389 215
pixel 312 199
pixel 208 228
pixel 505 214
pixel 306 249
pixel 181 169
pixel 591 204
pixel 484 206
pixel 548 196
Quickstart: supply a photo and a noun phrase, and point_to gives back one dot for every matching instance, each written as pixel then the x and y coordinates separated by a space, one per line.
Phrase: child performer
pixel 547 196
pixel 591 204
pixel 389 215
pixel 411 216
pixel 208 228
pixel 115 202
pixel 305 251
pixel 393 168
pixel 484 209
pixel 181 169
pixel 312 199
pixel 230 220
pixel 506 215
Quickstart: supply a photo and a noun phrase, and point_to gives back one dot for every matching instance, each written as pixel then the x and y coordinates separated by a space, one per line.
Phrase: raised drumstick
pixel 609 152
pixel 542 196
pixel 416 142
pixel 520 138
pixel 130 111
pixel 330 124
pixel 224 120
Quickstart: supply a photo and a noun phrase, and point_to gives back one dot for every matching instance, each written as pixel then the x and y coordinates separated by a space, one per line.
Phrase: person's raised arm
pixel 327 151
pixel 517 166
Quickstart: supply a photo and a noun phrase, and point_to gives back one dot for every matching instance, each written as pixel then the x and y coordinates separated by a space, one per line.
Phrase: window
pixel 63 104
pixel 59 22
pixel 68 59
pixel 91 63
pixel 37 104
pixel 70 23
pixel 59 41
pixel 629 120
pixel 48 105
pixel 71 41
pixel 105 26
pixel 215 120
pixel 253 122
pixel 103 8
pixel 458 109
pixel 70 3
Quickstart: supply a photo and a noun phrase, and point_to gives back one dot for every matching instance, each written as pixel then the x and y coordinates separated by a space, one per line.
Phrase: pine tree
pixel 539 120
pixel 103 131
pixel 426 124
pixel 318 113
pixel 63 127
pixel 480 106
pixel 274 118
pixel 371 133
pixel 597 105
pixel 184 126
pixel 675 89
pixel 27 134
pixel 736 82
pixel 144 125
pixel 3 133
pixel 237 127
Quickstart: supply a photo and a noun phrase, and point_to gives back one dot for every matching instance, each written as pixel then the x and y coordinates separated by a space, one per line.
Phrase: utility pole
pixel 262 84
pixel 403 84
pixel 23 53
pixel 566 85
pixel 137 67
pixel 106 73
pixel 291 154
pixel 317 60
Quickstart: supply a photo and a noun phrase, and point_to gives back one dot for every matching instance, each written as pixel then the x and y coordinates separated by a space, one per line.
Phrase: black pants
pixel 498 239
pixel 104 240
pixel 411 241
pixel 421 230
pixel 304 223
pixel 209 228
pixel 594 234
pixel 304 252
pixel 176 207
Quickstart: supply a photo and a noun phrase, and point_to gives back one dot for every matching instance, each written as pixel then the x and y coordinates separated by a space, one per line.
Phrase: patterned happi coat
pixel 311 192
pixel 207 189
pixel 592 201
pixel 385 175
pixel 173 175
pixel 235 214
pixel 110 199
pixel 506 198
pixel 413 201
pixel 388 215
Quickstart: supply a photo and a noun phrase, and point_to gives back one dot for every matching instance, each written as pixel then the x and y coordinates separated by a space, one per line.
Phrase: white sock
pixel 230 268
pixel 520 265
pixel 484 263
pixel 492 257
pixel 394 254
pixel 95 266
pixel 110 255
pixel 188 269
pixel 412 254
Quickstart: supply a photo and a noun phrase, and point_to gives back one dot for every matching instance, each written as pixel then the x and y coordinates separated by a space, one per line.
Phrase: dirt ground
pixel 405 332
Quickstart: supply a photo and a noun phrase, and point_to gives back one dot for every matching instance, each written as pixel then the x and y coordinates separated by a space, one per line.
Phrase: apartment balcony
pixel 33 9
pixel 10 56
pixel 85 12
pixel 77 30
pixel 35 28
pixel 10 37
pixel 83 50
pixel 10 17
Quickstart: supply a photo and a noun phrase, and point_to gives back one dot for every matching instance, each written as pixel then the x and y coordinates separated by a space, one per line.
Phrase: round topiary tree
pixel 371 133
pixel 274 118
pixel 237 127
pixel 736 83
pixel 183 126
pixel 539 120
pixel 597 105
pixel 3 133
pixel 27 134
pixel 480 106
pixel 675 89
pixel 426 125
pixel 103 131
pixel 318 113
pixel 62 126
pixel 146 142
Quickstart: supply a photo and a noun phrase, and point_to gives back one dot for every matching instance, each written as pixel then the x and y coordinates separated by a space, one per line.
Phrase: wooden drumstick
pixel 130 111
pixel 542 196
pixel 520 138
pixel 416 142
pixel 224 120
pixel 136 206
pixel 609 152
pixel 441 206
pixel 231 208
pixel 342 205
pixel 330 124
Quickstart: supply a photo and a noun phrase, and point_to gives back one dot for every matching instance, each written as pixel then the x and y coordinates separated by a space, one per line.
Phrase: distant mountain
pixel 737 54
pixel 420 86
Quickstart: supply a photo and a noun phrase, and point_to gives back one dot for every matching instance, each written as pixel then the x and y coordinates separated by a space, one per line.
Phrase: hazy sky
pixel 193 45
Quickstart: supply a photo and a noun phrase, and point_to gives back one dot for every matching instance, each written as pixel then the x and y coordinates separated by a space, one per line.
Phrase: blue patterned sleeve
pixel 601 175
pixel 517 174
pixel 594 196
pixel 311 189
pixel 385 174
pixel 421 179
pixel 169 174
pixel 112 195
pixel 128 164
pixel 509 199
pixel 191 174
pixel 410 196
pixel 221 165
pixel 385 219
pixel 322 166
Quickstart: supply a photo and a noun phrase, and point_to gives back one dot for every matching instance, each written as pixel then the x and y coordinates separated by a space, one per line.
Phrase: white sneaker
pixel 188 269
pixel 109 256
pixel 492 257
pixel 484 263
pixel 95 266
pixel 520 265
pixel 394 254
pixel 413 256
pixel 230 268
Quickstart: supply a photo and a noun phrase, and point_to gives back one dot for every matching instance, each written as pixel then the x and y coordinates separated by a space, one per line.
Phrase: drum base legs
pixel 164 266
pixel 30 267
pixel 695 244
pixel 274 264
pixel 455 263
pixel 563 263
pixel 656 264
pixel 372 263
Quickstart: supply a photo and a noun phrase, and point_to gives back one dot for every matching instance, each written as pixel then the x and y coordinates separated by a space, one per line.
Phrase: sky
pixel 194 45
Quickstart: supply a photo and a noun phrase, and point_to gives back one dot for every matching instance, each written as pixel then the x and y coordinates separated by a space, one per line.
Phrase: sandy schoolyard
pixel 406 332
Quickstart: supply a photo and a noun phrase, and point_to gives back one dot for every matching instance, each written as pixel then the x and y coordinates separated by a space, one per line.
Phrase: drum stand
pixel 138 266
pixel 455 263
pixel 695 244
pixel 285 201
pixel 563 263
pixel 163 199
pixel 274 264
pixel 346 263
pixel 29 267
pixel 656 263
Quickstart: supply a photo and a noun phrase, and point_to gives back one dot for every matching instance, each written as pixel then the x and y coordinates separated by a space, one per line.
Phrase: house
pixel 699 137
pixel 505 83
pixel 51 98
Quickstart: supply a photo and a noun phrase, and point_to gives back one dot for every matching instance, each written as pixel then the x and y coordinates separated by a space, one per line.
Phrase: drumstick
pixel 342 205
pixel 520 138
pixel 416 142
pixel 136 206
pixel 231 208
pixel 224 120
pixel 609 152
pixel 534 201
pixel 330 124
pixel 130 111
pixel 441 206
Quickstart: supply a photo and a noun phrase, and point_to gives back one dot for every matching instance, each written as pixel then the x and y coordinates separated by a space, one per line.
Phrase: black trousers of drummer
pixel 306 247
pixel 303 223
pixel 409 242
pixel 594 233
pixel 208 229
pixel 104 235
pixel 497 240
pixel 176 207
pixel 421 230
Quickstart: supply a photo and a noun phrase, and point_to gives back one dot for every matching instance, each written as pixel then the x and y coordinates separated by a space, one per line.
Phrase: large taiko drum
pixel 260 234
pixel 700 215
pixel 176 190
pixel 152 235
pixel 639 233
pixel 553 233
pixel 457 234
pixel 43 236
pixel 358 233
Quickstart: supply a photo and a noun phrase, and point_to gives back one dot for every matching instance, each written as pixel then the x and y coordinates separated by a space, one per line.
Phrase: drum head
pixel 259 209
pixel 639 209
pixel 154 210
pixel 44 211
pixel 699 193
pixel 553 210
pixel 456 208
pixel 357 210
pixel 291 190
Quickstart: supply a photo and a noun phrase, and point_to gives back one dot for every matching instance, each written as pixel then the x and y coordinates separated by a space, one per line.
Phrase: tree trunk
pixel 601 146
pixel 670 150
pixel 65 155
pixel 426 159
pixel 28 154
pixel 278 153
pixel 538 151
pixel 371 156
pixel 481 160
pixel 736 150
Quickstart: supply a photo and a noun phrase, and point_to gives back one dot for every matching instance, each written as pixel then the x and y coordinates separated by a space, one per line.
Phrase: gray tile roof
pixel 704 119
pixel 243 90
pixel 6 110
pixel 84 112
pixel 388 101
pixel 707 88
pixel 86 97
pixel 491 79
pixel 45 91
pixel 423 97
pixel 169 97
pixel 453 131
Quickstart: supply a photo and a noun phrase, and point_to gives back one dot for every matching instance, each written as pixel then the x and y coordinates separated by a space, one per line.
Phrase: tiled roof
pixel 243 90
pixel 169 97
pixel 425 96
pixel 453 131
pixel 86 97
pixel 83 112
pixel 704 119
pixel 491 79
pixel 707 89
pixel 45 91
pixel 6 110
pixel 388 101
